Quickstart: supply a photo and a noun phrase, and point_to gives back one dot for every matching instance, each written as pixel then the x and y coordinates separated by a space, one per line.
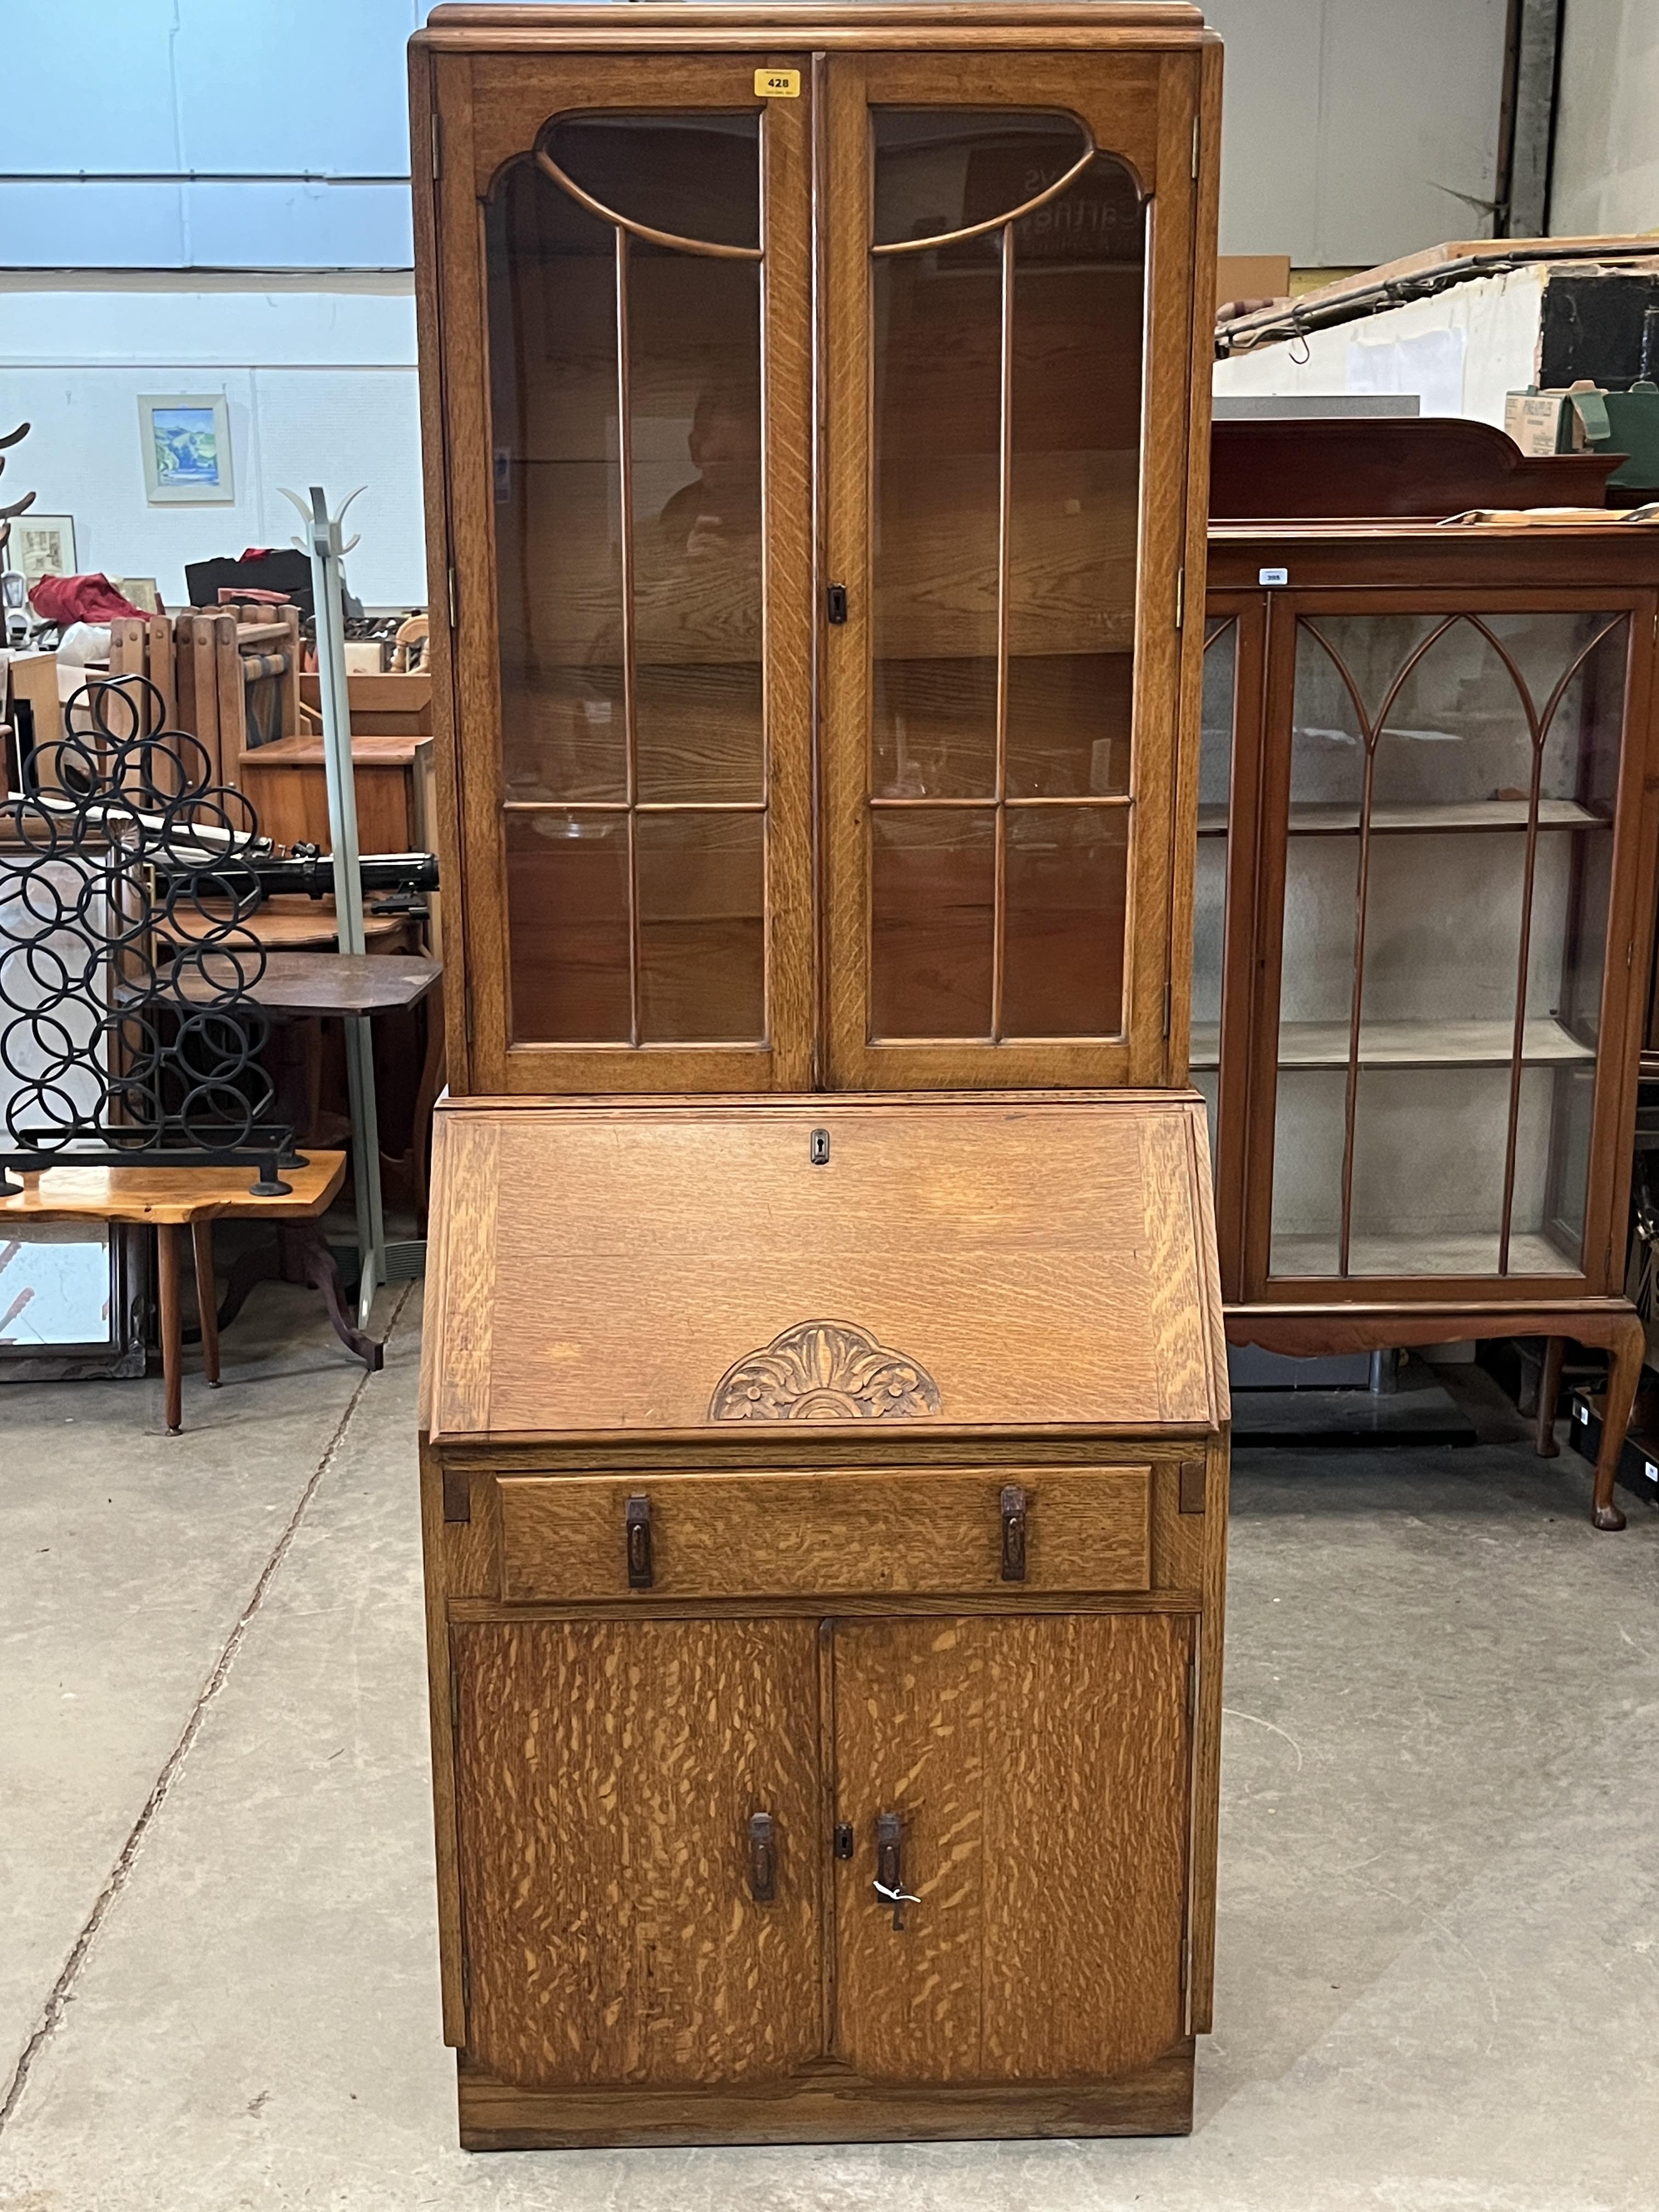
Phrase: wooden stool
pixel 173 1199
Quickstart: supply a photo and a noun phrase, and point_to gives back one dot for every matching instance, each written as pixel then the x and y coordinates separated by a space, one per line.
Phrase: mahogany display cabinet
pixel 825 1418
pixel 1425 906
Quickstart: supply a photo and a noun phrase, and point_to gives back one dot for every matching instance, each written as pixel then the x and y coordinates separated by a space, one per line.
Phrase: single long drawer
pixel 759 1535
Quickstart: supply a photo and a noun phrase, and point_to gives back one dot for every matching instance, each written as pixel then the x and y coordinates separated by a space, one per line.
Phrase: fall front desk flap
pixel 696 1268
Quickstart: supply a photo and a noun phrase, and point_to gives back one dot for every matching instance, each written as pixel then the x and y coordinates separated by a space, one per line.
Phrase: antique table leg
pixel 1626 1349
pixel 167 1235
pixel 201 1236
pixel 1549 1392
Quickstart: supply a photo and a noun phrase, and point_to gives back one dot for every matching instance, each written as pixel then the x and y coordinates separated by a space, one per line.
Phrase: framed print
pixel 42 546
pixel 186 448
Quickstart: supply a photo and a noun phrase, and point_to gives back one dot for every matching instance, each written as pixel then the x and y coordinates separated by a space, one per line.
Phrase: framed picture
pixel 42 546
pixel 186 447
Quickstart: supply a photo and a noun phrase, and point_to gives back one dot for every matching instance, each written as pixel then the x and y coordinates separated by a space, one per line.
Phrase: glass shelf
pixel 1308 819
pixel 1545 1043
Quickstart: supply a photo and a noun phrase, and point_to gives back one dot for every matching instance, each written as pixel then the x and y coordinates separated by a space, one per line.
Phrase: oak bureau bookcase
pixel 825 1417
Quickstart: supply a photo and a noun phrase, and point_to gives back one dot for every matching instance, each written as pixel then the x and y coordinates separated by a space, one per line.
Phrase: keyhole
pixel 818 1151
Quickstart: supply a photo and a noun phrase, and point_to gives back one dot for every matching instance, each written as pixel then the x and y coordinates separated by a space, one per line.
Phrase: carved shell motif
pixel 823 1371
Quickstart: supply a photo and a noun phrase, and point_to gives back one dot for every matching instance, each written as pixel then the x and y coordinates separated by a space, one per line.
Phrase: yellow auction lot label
pixel 778 84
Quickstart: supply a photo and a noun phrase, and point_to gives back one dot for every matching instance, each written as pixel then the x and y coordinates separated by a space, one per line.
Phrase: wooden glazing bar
pixel 1071 799
pixel 643 806
pixel 630 703
pixel 1004 509
pixel 1351 1097
pixel 1513 1122
pixel 623 224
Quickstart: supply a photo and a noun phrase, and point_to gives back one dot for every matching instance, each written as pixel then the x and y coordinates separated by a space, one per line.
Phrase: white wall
pixel 309 87
pixel 1605 178
pixel 322 390
pixel 1459 351
pixel 1344 120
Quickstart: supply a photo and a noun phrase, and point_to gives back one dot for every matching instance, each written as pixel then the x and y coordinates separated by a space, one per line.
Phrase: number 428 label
pixel 777 84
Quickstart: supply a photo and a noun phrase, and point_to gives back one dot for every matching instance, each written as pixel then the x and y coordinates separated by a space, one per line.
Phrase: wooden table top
pixel 175 1195
pixel 300 983
pixel 287 922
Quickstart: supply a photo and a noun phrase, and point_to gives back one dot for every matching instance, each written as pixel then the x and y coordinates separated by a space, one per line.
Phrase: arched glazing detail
pixel 624 320
pixel 1447 887
pixel 1008 280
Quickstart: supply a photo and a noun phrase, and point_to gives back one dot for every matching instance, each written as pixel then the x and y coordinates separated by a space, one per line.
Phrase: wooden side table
pixel 171 1200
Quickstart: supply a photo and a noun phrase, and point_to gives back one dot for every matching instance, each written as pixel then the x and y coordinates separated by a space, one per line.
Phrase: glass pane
pixel 693 176
pixel 702 927
pixel 1210 878
pixel 694 412
pixel 567 914
pixel 626 391
pixel 1067 891
pixel 1327 745
pixel 1428 1171
pixel 1068 725
pixel 1078 279
pixel 1548 1238
pixel 937 459
pixel 1307 1213
pixel 1442 943
pixel 934 727
pixel 944 169
pixel 932 914
pixel 558 492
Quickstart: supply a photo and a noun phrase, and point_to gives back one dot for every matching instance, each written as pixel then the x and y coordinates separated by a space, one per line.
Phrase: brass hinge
pixel 1181 597
pixel 1197 126
pixel 1607 1264
pixel 1630 952
pixel 466 1984
pixel 437 148
pixel 454 1701
pixel 466 1000
pixel 1169 1001
pixel 454 619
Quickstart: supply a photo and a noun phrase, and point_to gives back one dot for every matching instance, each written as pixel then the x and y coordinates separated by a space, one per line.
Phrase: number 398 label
pixel 778 84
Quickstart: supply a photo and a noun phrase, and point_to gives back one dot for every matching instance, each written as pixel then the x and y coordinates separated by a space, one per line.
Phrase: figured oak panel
pixel 1040 1766
pixel 645 1250
pixel 753 1535
pixel 606 1774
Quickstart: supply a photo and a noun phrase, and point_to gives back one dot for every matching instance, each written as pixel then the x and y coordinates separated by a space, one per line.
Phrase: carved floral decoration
pixel 825 1370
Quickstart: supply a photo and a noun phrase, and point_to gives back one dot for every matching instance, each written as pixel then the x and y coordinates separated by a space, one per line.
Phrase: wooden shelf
pixel 1410 1044
pixel 1530 1254
pixel 1317 821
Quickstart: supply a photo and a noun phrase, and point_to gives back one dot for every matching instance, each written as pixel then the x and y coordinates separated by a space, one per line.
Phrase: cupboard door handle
pixel 637 1523
pixel 889 1884
pixel 1013 1533
pixel 835 603
pixel 762 1858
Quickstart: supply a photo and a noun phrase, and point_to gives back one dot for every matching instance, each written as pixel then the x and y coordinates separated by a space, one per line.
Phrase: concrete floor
pixel 1439 1941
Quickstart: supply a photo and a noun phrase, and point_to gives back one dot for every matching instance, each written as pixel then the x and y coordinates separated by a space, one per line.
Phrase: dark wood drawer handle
pixel 1013 1533
pixel 637 1523
pixel 762 1858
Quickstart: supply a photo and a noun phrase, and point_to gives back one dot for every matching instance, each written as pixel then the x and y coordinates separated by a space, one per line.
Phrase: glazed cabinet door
pixel 1015 1906
pixel 1446 937
pixel 640 1833
pixel 1010 334
pixel 623 304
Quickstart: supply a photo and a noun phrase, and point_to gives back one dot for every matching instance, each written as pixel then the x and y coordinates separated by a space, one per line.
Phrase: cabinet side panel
pixel 606 1775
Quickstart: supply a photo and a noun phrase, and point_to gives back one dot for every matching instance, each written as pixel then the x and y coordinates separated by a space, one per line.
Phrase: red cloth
pixel 80 599
pixel 257 552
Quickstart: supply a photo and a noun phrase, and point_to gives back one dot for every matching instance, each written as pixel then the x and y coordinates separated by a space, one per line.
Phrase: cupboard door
pixel 1438 1002
pixel 626 371
pixel 1038 1769
pixel 607 1776
pixel 1009 330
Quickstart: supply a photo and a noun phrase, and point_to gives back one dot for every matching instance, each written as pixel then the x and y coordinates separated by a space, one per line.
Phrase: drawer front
pixel 1000 1529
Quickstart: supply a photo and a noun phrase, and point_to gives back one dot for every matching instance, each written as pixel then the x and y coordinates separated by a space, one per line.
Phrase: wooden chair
pixel 173 1199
